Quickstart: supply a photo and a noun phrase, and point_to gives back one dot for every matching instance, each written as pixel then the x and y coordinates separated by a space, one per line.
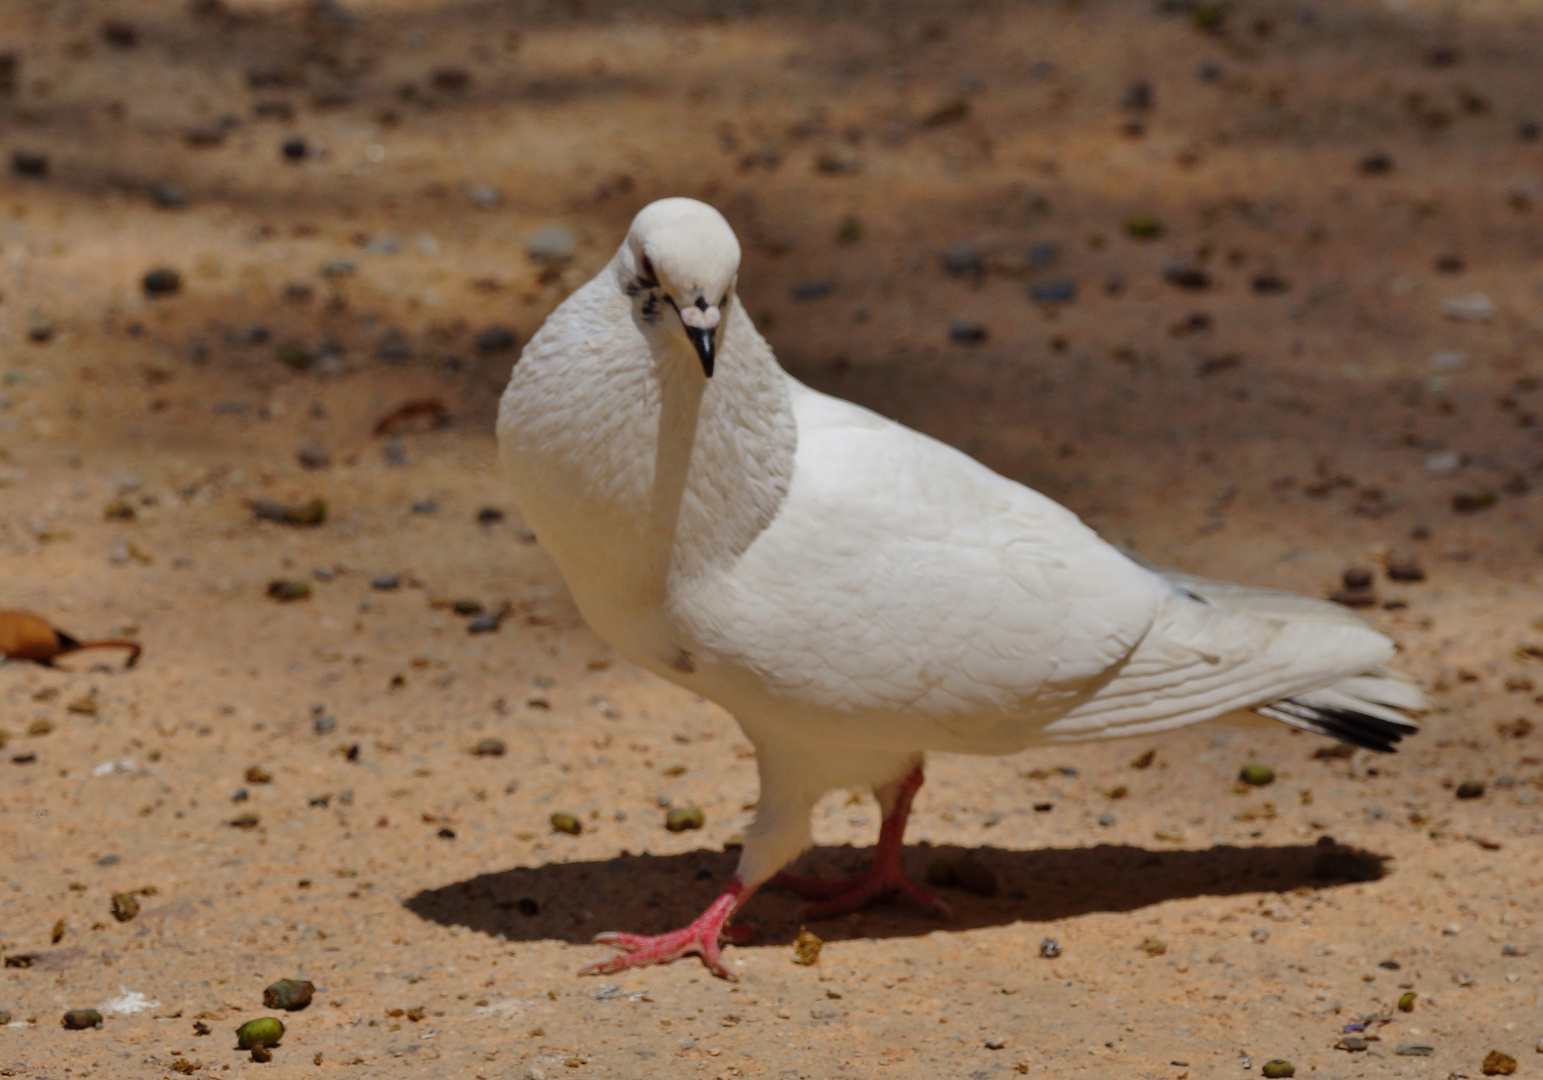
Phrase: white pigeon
pixel 853 592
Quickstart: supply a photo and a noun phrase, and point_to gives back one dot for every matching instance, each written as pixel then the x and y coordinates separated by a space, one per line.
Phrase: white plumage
pixel 854 592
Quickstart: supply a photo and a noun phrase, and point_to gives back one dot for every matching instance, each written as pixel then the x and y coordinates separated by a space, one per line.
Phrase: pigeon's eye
pixel 646 269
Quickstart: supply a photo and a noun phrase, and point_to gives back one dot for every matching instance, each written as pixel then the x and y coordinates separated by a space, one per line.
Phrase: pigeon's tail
pixel 1368 709
pixel 1365 711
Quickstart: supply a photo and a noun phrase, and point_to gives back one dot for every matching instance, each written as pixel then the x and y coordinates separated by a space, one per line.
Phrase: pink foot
pixel 884 876
pixel 700 937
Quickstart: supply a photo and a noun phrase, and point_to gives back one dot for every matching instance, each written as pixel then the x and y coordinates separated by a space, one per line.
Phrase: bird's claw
pixel 639 950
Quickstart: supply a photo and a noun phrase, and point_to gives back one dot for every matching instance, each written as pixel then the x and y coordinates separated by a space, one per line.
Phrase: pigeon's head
pixel 679 265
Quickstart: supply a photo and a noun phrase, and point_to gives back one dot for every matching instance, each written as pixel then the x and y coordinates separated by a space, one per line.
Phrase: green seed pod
pixel 288 994
pixel 306 514
pixel 681 818
pixel 264 1031
pixel 806 950
pixel 1143 227
pixel 1256 775
pixel 1278 1067
pixel 81 1019
pixel 124 906
pixel 567 823
pixel 1406 1002
pixel 285 591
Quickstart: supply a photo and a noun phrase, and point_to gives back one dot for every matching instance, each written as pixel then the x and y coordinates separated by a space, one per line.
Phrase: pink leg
pixel 700 937
pixel 883 877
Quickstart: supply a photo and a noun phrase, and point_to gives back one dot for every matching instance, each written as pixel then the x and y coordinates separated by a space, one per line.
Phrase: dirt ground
pixel 1253 286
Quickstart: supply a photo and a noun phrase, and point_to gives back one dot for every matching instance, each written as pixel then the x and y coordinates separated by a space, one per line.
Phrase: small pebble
pixel 395 451
pixel 1353 1043
pixel 1472 307
pixel 681 818
pixel 425 507
pixel 288 994
pixel 813 290
pixel 1414 1049
pixel 1278 1067
pixel 1376 164
pixel 966 333
pixel 1468 502
pixel 1470 789
pixel 1042 256
pixel 1153 946
pixel 162 281
pixel 1268 284
pixel 124 906
pixel 485 196
pixel 489 747
pixel 489 515
pixel 553 244
pixel 324 724
pixel 1510 950
pixel 1357 577
pixel 1443 464
pixel 29 163
pixel 1405 568
pixel 1449 360
pixel 1186 276
pixel 313 455
pixel 1060 291
pixel 1256 775
pixel 168 196
pixel 1049 948
pixel 264 1031
pixel 386 582
pixel 5 1017
pixel 566 823
pixel 81 1019
pixel 294 149
pixel 961 260
pixel 489 622
pixel 1106 819
pixel 450 79
pixel 495 339
pixel 995 1043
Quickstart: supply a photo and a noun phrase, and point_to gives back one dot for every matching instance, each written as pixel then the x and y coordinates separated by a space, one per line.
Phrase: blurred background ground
pixel 1253 286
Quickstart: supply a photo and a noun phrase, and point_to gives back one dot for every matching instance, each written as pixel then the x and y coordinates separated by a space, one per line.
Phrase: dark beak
pixel 702 340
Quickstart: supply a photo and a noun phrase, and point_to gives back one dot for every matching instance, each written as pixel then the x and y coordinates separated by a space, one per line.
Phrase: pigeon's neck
pixel 641 476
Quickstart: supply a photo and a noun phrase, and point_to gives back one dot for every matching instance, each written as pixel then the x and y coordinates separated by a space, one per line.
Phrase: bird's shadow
pixel 654 893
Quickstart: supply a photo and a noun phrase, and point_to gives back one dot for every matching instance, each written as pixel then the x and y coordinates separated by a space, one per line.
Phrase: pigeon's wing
pixel 901 575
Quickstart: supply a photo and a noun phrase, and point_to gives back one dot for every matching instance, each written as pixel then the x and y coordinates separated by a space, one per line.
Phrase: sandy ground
pixel 1330 352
